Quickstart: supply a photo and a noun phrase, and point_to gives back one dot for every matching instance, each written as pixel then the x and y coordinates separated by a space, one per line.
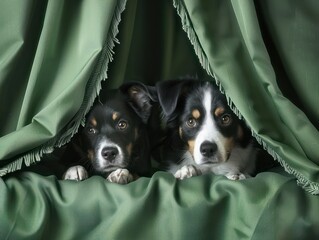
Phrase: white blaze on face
pixel 209 132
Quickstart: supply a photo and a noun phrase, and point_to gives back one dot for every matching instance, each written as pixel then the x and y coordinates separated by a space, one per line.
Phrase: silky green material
pixel 205 207
pixel 69 75
pixel 54 55
pixel 53 58
pixel 229 43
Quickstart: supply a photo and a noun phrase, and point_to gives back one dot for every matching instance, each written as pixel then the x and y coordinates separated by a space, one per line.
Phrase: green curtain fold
pixel 54 74
pixel 207 207
pixel 54 56
pixel 230 45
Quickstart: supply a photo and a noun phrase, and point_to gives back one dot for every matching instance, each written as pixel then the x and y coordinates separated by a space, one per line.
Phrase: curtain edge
pixel 306 184
pixel 93 88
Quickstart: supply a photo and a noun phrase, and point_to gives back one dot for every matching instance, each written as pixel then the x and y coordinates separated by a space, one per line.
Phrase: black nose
pixel 208 149
pixel 109 153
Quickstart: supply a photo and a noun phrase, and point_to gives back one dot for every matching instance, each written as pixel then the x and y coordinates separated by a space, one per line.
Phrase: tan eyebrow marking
pixel 93 122
pixel 115 116
pixel 196 114
pixel 219 111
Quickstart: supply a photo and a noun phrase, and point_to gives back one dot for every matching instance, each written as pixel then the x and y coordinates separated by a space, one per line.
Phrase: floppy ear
pixel 140 98
pixel 170 92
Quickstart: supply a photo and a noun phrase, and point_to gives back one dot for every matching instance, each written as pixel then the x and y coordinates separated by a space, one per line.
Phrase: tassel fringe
pixel 92 90
pixel 302 181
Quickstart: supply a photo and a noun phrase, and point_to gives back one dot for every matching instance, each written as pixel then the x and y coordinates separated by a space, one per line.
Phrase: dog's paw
pixel 186 172
pixel 236 176
pixel 77 173
pixel 121 176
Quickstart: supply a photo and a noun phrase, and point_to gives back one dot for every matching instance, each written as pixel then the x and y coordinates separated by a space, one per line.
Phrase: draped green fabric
pixel 231 47
pixel 54 55
pixel 207 207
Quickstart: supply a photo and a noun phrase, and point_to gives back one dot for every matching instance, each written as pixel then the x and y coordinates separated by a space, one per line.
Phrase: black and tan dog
pixel 203 134
pixel 114 142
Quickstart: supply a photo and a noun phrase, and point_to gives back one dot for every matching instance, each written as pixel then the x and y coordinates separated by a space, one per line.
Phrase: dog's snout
pixel 208 149
pixel 109 153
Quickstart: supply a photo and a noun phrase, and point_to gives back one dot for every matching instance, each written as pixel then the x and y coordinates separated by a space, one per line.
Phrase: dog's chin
pixel 209 161
pixel 107 167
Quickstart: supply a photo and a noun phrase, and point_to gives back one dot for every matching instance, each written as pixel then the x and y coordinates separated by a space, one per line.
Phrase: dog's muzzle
pixel 109 153
pixel 208 149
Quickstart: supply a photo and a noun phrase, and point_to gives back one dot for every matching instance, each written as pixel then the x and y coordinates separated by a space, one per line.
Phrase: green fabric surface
pixel 52 54
pixel 230 44
pixel 205 207
pixel 53 57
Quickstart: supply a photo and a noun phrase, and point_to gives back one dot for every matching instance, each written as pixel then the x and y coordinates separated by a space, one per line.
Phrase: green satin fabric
pixel 230 35
pixel 49 50
pixel 58 66
pixel 265 56
pixel 153 46
pixel 269 206
pixel 56 47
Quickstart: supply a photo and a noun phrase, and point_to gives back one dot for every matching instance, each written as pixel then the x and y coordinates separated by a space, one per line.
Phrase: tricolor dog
pixel 204 135
pixel 114 142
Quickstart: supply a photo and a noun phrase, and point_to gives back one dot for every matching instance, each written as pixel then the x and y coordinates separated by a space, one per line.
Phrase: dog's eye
pixel 91 130
pixel 122 125
pixel 191 123
pixel 226 119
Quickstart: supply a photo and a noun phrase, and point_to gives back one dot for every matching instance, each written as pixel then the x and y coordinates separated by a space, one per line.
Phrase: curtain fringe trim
pixel 92 90
pixel 187 26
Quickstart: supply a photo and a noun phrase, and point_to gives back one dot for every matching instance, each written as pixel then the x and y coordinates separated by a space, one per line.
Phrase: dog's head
pixel 201 119
pixel 114 133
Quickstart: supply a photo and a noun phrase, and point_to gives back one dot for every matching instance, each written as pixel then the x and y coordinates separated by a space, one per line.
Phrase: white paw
pixel 77 173
pixel 186 172
pixel 235 176
pixel 121 176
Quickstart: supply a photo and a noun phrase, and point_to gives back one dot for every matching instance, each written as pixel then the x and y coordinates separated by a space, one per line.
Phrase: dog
pixel 203 134
pixel 114 141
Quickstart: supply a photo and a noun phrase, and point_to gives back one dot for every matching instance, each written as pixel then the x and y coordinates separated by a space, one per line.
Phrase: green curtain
pixel 53 57
pixel 270 206
pixel 229 43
